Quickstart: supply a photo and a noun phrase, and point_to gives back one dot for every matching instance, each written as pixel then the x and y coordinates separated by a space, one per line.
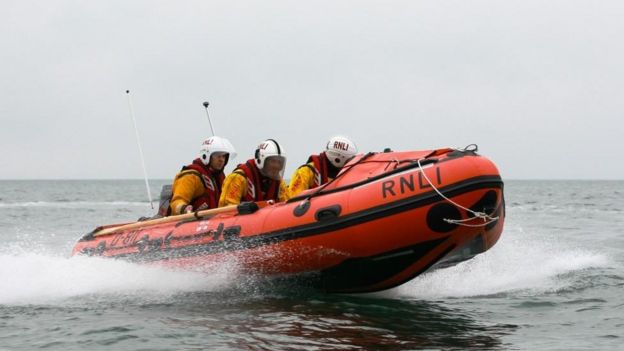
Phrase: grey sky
pixel 538 85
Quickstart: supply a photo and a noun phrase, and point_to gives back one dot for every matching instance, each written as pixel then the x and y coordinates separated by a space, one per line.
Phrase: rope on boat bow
pixel 487 218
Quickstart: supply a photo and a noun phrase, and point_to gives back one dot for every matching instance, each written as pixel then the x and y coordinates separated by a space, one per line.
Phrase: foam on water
pixel 36 278
pixel 518 262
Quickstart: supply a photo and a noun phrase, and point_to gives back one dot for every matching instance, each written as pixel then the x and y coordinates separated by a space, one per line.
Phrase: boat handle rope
pixel 487 218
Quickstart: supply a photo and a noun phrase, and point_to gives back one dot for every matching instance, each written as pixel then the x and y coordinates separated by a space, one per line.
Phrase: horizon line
pixel 171 179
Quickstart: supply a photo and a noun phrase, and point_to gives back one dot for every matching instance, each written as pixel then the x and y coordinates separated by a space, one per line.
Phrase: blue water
pixel 554 281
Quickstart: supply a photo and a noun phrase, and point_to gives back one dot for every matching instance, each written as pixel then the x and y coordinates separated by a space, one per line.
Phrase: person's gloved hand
pixel 188 209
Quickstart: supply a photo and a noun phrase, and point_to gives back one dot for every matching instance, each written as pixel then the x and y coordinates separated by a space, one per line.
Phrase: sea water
pixel 554 281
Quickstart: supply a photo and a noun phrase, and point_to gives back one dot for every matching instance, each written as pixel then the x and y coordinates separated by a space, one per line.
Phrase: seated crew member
pixel 258 179
pixel 198 185
pixel 323 167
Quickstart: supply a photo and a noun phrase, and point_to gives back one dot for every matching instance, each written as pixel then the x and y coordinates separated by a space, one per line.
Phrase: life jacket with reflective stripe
pixel 320 168
pixel 259 187
pixel 323 170
pixel 212 184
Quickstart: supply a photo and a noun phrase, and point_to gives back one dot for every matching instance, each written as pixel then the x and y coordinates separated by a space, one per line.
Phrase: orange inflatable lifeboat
pixel 385 219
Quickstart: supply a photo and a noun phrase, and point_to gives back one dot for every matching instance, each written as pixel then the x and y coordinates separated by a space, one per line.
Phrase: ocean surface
pixel 554 281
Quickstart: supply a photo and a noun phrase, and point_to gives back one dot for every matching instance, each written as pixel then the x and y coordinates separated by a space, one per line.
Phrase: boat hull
pixel 375 228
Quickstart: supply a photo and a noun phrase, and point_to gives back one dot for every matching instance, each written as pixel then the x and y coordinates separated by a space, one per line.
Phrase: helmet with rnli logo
pixel 216 145
pixel 340 150
pixel 270 149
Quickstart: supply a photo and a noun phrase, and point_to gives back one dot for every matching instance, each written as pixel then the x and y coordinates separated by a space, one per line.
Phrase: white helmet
pixel 216 144
pixel 269 149
pixel 340 150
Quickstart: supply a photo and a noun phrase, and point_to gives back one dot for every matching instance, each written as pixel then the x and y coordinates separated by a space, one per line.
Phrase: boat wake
pixel 35 278
pixel 520 263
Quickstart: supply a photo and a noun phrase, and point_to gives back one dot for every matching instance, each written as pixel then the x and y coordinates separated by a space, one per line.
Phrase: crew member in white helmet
pixel 198 185
pixel 321 168
pixel 258 179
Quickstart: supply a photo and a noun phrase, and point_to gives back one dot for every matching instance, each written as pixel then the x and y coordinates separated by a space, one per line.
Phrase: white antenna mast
pixel 207 115
pixel 136 131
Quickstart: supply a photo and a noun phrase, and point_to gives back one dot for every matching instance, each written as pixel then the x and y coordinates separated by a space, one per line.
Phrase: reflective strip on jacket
pixel 311 175
pixel 196 186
